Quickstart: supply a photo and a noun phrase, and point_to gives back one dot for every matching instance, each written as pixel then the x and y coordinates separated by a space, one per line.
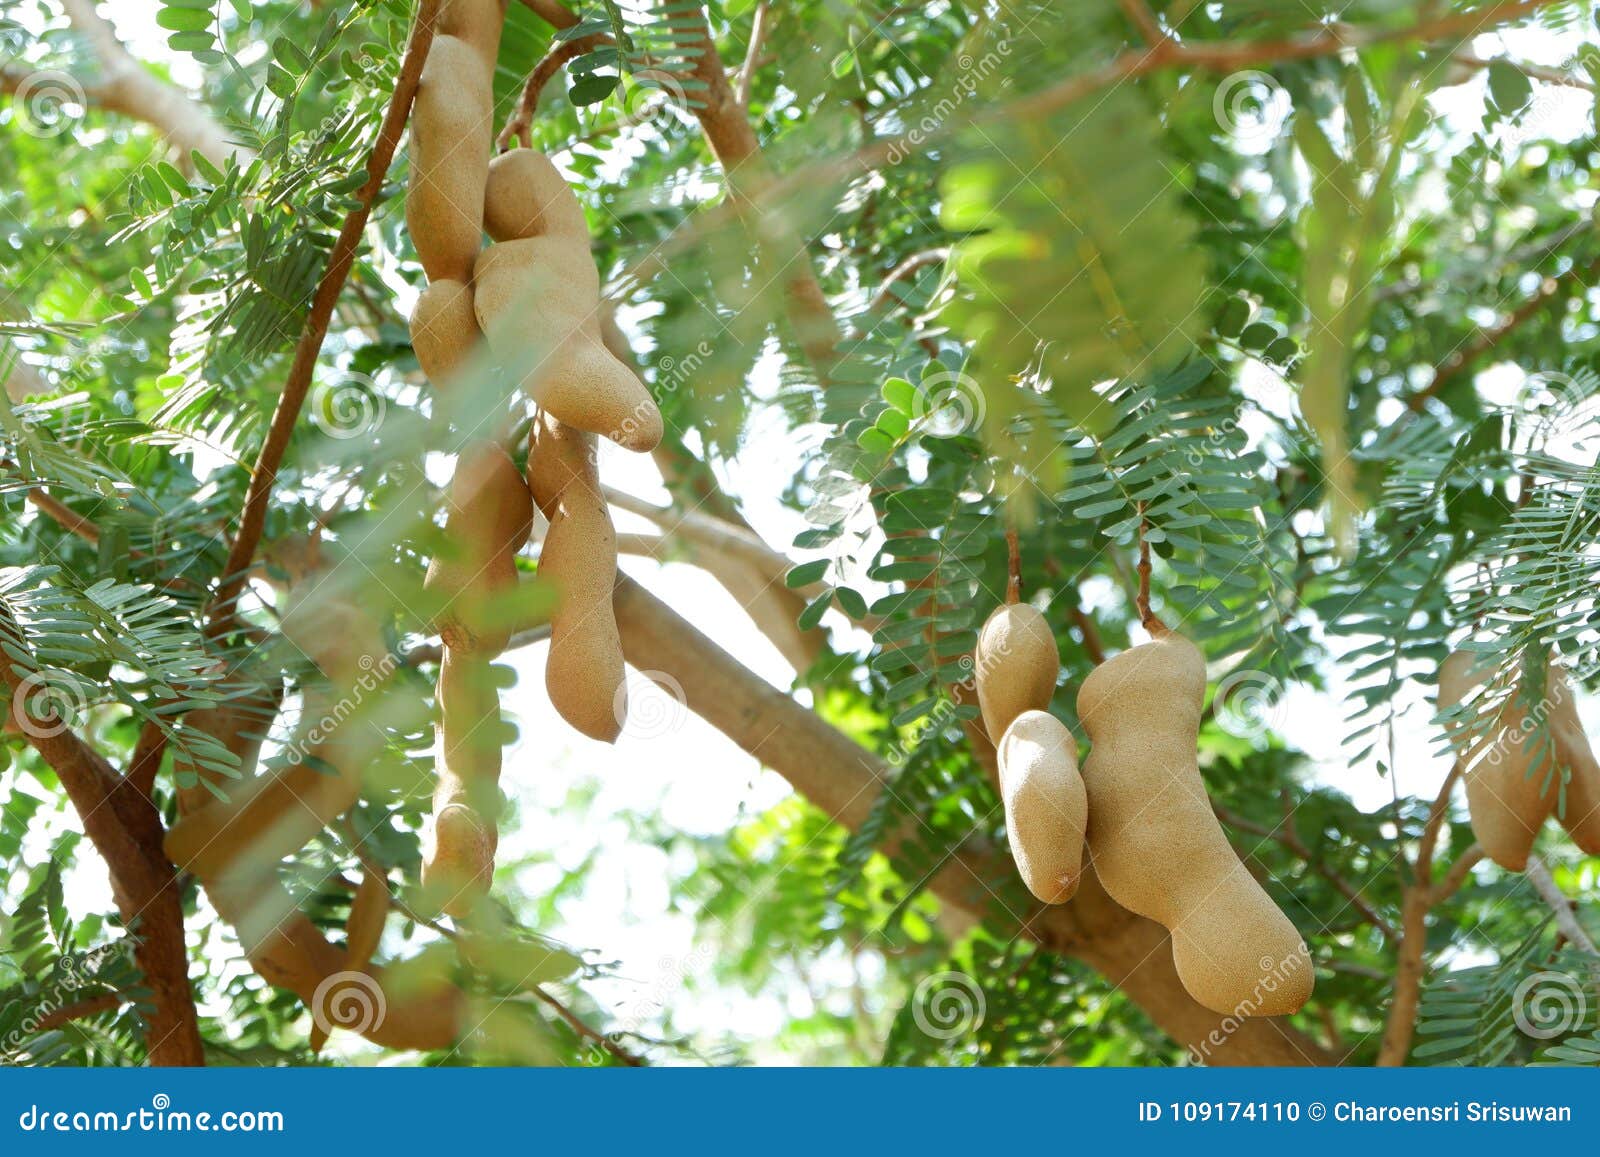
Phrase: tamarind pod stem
pixel 451 138
pixel 548 286
pixel 526 196
pixel 1505 804
pixel 466 798
pixel 1581 818
pixel 444 330
pixel 584 674
pixel 1155 842
pixel 1046 804
pixel 1016 662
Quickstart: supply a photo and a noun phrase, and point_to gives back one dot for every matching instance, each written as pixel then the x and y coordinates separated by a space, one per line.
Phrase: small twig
pixel 1459 873
pixel 434 652
pixel 1536 71
pixel 1092 645
pixel 1538 873
pixel 1145 21
pixel 1013 567
pixel 258 495
pixel 588 1033
pixel 80 1009
pixel 146 758
pixel 1147 617
pixel 747 70
pixel 906 268
pixel 519 125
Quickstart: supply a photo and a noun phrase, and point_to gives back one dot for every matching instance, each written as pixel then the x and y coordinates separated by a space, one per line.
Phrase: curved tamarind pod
pixel 1573 750
pixel 489 519
pixel 466 798
pixel 240 725
pixel 526 196
pixel 477 23
pixel 584 675
pixel 451 138
pixel 444 329
pixel 1155 842
pixel 1505 804
pixel 1047 807
pixel 364 928
pixel 1016 660
pixel 548 285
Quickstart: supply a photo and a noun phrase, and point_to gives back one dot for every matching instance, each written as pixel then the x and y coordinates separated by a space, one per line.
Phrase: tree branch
pixel 752 55
pixel 1538 873
pixel 259 492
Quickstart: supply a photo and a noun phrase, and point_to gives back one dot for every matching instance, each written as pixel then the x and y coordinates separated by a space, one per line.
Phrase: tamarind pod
pixel 368 912
pixel 548 285
pixel 342 639
pixel 584 674
pixel 526 196
pixel 1047 807
pixel 451 139
pixel 477 23
pixel 1016 662
pixel 1155 842
pixel 488 521
pixel 1581 818
pixel 444 329
pixel 1505 804
pixel 466 797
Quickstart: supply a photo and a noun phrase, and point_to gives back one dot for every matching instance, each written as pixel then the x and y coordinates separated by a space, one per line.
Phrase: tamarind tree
pixel 1269 322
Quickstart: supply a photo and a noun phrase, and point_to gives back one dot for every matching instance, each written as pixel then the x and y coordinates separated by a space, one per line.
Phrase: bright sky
pixel 699 782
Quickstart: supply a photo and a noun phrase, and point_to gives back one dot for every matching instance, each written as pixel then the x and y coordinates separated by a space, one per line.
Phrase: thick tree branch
pixel 843 779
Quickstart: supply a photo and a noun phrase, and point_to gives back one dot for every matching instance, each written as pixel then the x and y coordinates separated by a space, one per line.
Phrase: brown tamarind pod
pixel 368 912
pixel 466 798
pixel 1155 842
pixel 1016 663
pixel 1047 807
pixel 444 329
pixel 1581 818
pixel 1505 804
pixel 451 138
pixel 477 23
pixel 489 519
pixel 240 725
pixel 548 286
pixel 526 196
pixel 584 675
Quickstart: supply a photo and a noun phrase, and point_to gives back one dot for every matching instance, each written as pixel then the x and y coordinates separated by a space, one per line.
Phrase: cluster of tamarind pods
pixel 1513 774
pixel 533 297
pixel 1138 806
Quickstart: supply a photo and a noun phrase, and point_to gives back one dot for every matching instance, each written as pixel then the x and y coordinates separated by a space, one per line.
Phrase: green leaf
pixel 1509 86
pixel 185 20
pixel 805 573
pixel 593 89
